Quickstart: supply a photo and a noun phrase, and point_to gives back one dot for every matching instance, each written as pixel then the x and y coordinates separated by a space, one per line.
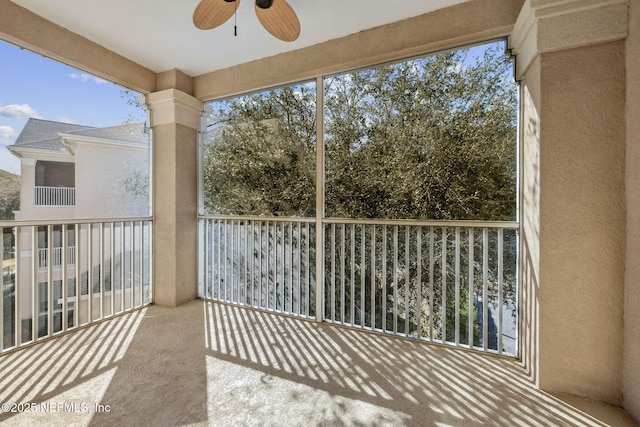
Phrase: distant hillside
pixel 9 182
pixel 9 194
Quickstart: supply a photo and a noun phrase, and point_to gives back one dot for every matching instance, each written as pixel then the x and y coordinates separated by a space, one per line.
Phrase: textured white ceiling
pixel 159 34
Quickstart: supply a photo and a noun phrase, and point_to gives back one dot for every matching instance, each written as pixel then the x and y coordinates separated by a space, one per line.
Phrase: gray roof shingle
pixel 44 134
pixel 133 132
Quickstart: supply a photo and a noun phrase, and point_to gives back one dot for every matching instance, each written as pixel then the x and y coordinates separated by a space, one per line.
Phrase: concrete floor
pixel 213 364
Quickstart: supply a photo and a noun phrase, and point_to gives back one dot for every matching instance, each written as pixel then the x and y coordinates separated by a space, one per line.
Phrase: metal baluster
pixel 253 265
pixel 395 279
pixel 457 286
pixel 283 284
pixel 431 267
pixel 443 272
pixel 274 247
pixel 384 279
pixel 290 260
pixel 132 253
pixel 101 269
pixel 353 273
pixel 78 286
pixel 308 270
pixel 485 288
pixel 64 316
pixel 419 281
pixel 373 277
pixel 500 290
pixel 342 272
pixel 406 279
pixel 112 265
pixel 260 304
pixel 363 273
pixel 49 280
pixel 122 264
pixel 471 287
pixel 333 273
pixel 141 255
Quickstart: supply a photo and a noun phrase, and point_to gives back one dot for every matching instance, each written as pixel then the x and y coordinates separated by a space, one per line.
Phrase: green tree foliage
pixel 134 184
pixel 430 138
pixel 260 159
pixel 9 195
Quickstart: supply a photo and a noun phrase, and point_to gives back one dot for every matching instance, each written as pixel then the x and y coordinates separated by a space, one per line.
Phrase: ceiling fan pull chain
pixel 235 21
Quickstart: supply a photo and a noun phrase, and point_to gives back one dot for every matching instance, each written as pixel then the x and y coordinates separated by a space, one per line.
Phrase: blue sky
pixel 33 86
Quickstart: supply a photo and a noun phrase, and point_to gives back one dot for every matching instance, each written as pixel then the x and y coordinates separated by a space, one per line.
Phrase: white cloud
pixel 84 77
pixel 7 132
pixel 7 135
pixel 16 111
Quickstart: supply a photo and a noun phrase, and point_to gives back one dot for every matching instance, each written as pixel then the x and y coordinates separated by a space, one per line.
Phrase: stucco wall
pixel 632 290
pixel 582 217
pixel 530 237
pixel 100 171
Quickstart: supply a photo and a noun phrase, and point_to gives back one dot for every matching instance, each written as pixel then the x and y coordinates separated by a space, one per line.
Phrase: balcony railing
pixel 57 258
pixel 109 273
pixel 55 196
pixel 453 283
pixel 266 264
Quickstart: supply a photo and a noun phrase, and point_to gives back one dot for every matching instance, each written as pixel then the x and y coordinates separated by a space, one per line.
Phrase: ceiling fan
pixel 276 16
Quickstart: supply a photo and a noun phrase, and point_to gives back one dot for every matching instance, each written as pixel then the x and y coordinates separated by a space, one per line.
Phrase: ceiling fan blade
pixel 213 13
pixel 280 20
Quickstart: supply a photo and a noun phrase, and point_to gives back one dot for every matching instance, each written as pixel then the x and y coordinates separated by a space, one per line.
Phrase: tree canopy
pixel 427 138
pixel 9 195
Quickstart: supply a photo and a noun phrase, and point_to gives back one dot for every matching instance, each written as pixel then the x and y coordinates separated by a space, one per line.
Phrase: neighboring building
pixel 76 172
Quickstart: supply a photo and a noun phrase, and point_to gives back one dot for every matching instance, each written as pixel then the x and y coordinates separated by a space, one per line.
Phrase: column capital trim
pixel 174 106
pixel 554 25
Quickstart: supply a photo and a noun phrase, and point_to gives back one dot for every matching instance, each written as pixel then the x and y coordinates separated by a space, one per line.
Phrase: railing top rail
pixel 514 225
pixel 55 187
pixel 259 218
pixel 426 223
pixel 42 222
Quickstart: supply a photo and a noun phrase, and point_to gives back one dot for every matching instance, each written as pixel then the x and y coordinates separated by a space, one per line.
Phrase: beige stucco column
pixel 632 279
pixel 571 61
pixel 175 120
pixel 27 186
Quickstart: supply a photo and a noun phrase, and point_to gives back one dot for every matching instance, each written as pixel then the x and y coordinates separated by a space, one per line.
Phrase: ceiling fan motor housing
pixel 263 4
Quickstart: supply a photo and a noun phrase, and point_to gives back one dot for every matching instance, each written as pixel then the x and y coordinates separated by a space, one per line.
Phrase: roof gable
pixel 39 133
pixel 46 135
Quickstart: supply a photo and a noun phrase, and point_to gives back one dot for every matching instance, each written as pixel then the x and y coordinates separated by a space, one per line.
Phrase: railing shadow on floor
pixel 42 378
pixel 409 382
pixel 211 363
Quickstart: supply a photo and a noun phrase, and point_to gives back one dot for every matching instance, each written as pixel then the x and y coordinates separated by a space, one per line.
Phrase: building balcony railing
pixel 55 196
pixel 56 258
pixel 109 272
pixel 452 282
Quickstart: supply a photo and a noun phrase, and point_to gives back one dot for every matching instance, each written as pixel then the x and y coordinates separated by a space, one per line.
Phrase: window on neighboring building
pixel 55 174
